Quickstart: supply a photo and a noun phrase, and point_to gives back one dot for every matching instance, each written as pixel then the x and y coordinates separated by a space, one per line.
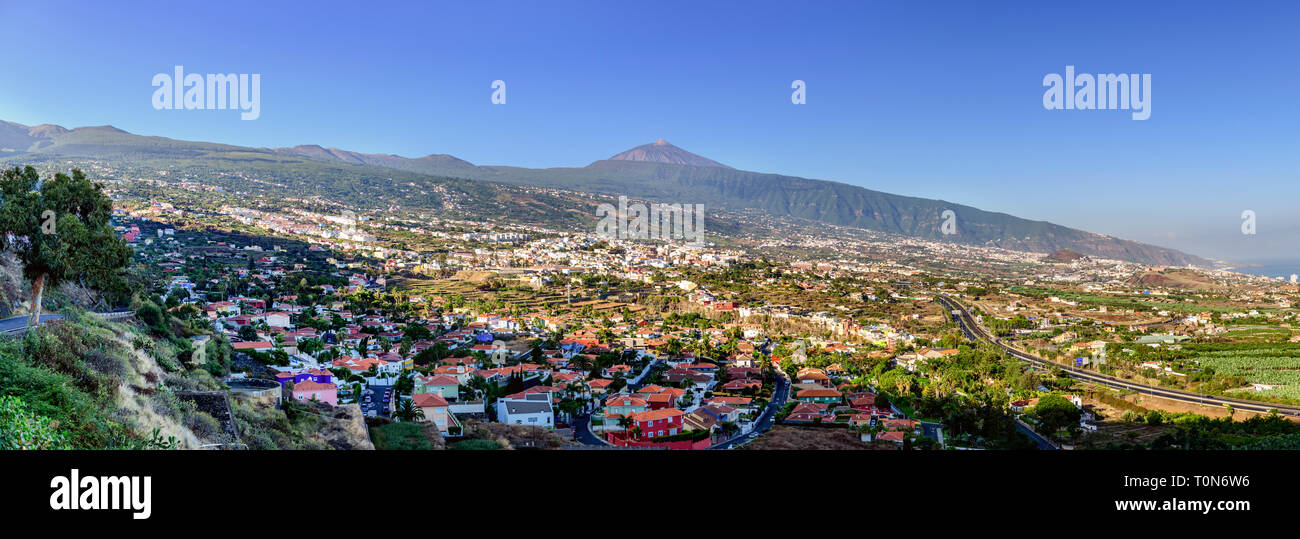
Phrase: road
pixel 779 396
pixel 582 431
pixel 582 422
pixel 20 322
pixel 378 404
pixel 933 431
pixel 1043 443
pixel 16 324
pixel 975 332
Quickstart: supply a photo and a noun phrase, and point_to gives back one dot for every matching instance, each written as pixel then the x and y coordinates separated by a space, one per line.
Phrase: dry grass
pixel 516 436
pixel 783 437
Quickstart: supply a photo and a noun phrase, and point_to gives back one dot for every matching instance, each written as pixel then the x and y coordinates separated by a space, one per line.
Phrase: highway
pixel 973 331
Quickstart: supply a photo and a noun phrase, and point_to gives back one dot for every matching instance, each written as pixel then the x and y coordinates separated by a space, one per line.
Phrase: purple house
pixel 319 376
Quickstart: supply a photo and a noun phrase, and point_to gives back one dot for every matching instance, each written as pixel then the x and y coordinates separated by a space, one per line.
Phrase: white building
pixel 533 409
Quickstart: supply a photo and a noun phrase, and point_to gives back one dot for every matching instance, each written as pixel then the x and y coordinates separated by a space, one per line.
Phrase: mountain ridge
pixel 639 175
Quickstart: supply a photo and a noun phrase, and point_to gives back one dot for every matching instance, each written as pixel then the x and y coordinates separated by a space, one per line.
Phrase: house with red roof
pixel 436 410
pixel 820 395
pixel 599 385
pixel 656 423
pixel 747 384
pixel 448 387
pixel 623 405
pixel 256 346
pixel 312 390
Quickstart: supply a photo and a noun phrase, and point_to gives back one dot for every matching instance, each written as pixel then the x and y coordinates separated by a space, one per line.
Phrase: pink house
pixel 435 409
pixel 308 389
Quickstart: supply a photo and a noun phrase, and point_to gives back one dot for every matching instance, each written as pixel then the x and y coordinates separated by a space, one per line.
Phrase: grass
pixel 403 436
pixel 475 445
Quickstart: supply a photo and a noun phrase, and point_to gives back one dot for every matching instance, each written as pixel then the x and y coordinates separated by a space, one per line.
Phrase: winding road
pixel 962 316
pixel 17 323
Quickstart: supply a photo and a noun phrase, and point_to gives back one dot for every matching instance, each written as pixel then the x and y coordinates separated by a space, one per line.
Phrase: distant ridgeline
pixel 656 172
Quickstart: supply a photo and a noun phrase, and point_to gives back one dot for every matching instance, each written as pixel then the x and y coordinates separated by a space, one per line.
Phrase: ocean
pixel 1272 268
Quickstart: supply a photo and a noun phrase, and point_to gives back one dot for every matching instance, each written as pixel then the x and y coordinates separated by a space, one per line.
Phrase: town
pixel 423 332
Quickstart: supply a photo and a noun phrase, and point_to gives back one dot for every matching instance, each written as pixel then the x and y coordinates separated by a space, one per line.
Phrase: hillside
pixel 1174 279
pixel 655 172
pixel 1064 256
pixel 86 383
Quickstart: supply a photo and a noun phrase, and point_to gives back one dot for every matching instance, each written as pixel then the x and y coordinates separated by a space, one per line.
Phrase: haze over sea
pixel 1283 268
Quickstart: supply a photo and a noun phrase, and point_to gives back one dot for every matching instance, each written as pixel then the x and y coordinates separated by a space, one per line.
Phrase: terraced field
pixel 528 301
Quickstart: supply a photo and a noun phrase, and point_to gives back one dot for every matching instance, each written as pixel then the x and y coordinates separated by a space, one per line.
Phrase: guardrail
pixel 115 315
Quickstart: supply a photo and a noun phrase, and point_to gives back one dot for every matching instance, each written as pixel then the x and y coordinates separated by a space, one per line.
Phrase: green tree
pixel 408 412
pixel 1054 412
pixel 60 232
pixel 248 333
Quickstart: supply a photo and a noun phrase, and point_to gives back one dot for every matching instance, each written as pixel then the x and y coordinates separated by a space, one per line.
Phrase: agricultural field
pixel 1276 364
pixel 1259 334
pixel 513 298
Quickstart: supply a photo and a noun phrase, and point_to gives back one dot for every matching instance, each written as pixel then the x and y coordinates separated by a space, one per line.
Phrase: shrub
pixel 476 445
pixel 204 425
pixel 21 429
pixel 402 436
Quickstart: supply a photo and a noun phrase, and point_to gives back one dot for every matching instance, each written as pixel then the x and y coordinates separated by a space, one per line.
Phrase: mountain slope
pixel 658 172
pixel 423 165
pixel 660 151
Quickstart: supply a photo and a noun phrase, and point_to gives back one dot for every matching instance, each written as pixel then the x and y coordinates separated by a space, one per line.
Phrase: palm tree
pixel 408 412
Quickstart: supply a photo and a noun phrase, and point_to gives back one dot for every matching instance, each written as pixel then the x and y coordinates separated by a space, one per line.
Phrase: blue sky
pixel 932 99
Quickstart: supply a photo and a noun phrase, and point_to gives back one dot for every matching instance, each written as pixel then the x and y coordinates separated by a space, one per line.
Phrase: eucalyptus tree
pixel 60 231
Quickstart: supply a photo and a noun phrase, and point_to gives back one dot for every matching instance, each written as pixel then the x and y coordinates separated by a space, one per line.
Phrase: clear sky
pixel 932 99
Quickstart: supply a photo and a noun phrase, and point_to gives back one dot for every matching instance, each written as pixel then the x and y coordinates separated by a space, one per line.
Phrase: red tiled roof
pixel 441 380
pixel 309 385
pixel 652 415
pixel 429 400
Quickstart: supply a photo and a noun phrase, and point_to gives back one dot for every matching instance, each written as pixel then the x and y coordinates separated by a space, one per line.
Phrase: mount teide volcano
pixel 660 151
pixel 658 172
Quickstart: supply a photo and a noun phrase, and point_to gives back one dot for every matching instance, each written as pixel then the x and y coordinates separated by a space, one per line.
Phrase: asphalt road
pixel 973 331
pixel 16 323
pixel 582 431
pixel 581 422
pixel 1043 443
pixel 20 322
pixel 377 403
pixel 779 396
pixel 931 430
